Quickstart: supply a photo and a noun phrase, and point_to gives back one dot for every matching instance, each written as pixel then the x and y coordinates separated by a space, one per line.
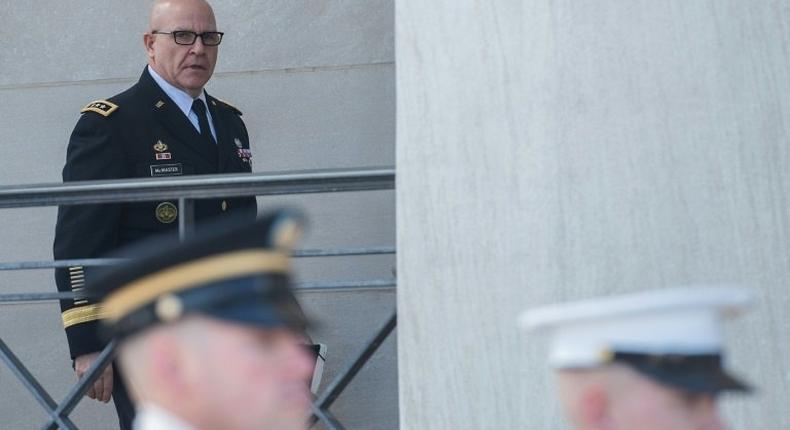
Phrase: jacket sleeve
pixel 86 231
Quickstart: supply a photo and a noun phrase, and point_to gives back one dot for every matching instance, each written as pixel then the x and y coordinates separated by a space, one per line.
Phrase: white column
pixel 553 150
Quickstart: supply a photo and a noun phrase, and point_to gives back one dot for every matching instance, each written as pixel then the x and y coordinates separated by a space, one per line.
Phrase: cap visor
pixel 711 381
pixel 261 313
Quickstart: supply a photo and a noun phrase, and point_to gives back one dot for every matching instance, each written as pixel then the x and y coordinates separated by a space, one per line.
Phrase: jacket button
pixel 224 206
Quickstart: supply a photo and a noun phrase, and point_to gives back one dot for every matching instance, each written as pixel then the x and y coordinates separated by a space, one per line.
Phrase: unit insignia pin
pixel 160 146
pixel 159 104
pixel 166 212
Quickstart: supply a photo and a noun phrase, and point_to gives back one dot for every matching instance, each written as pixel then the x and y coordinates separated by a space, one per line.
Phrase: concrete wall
pixel 553 150
pixel 315 80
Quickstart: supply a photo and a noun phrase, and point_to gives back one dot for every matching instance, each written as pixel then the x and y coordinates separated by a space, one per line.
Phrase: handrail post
pixel 186 218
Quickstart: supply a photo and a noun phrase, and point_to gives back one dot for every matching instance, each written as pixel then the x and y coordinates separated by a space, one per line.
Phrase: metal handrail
pixel 310 286
pixel 300 253
pixel 199 187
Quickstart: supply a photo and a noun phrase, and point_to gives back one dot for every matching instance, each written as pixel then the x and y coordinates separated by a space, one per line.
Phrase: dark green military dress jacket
pixel 140 133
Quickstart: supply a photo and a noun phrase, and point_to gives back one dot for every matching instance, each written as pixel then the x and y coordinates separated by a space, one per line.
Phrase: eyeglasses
pixel 184 37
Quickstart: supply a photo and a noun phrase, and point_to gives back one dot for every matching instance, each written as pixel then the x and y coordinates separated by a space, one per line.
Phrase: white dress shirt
pixel 184 101
pixel 152 417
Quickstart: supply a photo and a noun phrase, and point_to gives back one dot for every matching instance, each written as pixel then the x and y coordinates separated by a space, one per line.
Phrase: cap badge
pixel 606 355
pixel 169 308
pixel 285 233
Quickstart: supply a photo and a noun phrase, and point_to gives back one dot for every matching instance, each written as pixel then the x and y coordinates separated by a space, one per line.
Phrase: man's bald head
pixel 187 67
pixel 164 10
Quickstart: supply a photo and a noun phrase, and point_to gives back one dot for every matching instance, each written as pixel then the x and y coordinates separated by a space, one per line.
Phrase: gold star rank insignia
pixel 101 107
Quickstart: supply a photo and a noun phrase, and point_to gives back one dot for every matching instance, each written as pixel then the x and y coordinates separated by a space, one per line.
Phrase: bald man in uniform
pixel 164 126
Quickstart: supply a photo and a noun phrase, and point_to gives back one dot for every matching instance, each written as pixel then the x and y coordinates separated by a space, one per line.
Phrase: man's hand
pixel 102 388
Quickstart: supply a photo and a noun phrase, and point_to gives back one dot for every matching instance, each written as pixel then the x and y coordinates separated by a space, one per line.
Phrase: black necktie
pixel 200 109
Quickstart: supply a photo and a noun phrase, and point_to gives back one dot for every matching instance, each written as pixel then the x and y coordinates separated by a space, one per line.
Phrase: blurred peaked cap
pixel 234 269
pixel 674 336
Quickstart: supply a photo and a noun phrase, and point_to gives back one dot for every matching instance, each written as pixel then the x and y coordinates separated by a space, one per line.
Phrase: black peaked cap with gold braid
pixel 230 271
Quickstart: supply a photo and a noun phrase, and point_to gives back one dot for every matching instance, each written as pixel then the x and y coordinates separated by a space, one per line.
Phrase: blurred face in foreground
pixel 618 398
pixel 216 374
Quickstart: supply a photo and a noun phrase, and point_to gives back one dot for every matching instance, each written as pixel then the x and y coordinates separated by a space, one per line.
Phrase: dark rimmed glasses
pixel 185 37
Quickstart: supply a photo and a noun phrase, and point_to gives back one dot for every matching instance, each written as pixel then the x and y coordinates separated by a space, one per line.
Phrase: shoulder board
pixel 101 107
pixel 233 108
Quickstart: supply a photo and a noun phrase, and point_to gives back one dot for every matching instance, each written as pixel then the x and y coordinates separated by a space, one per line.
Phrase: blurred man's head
pixel 209 329
pixel 616 397
pixel 187 66
pixel 643 361
pixel 217 374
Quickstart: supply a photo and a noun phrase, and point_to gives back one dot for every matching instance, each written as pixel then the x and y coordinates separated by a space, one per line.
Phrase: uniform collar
pixel 152 417
pixel 179 97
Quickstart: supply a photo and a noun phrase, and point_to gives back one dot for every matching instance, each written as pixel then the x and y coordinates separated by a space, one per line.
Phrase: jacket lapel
pixel 225 145
pixel 169 115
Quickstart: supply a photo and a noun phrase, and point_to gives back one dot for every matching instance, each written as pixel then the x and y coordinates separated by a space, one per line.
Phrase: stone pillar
pixel 554 150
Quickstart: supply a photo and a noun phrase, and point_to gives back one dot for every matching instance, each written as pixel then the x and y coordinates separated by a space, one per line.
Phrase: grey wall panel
pixel 36 131
pixel 322 119
pixel 58 41
pixel 282 34
pixel 557 150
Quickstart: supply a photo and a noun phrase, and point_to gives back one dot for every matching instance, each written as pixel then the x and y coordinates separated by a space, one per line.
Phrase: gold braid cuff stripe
pixel 81 315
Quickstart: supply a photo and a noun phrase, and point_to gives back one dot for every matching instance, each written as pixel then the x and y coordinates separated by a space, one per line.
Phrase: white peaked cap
pixel 673 323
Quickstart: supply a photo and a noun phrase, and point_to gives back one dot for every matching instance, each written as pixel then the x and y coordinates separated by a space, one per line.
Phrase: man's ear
pixel 148 42
pixel 167 363
pixel 594 408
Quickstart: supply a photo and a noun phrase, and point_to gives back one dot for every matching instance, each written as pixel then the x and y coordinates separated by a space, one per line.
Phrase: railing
pixel 186 190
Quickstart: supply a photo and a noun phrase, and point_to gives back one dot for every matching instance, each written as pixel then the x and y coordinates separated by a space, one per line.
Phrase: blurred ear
pixel 169 363
pixel 594 407
pixel 148 42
